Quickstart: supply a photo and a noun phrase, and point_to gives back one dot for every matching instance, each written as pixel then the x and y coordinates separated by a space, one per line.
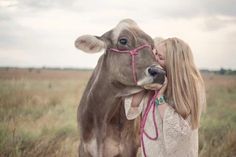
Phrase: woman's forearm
pixel 162 108
pixel 137 98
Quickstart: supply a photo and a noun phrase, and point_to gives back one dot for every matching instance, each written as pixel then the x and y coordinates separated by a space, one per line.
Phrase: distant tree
pixel 30 69
pixel 222 71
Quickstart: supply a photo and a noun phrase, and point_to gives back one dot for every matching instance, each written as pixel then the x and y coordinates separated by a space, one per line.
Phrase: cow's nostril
pixel 155 71
pixel 152 72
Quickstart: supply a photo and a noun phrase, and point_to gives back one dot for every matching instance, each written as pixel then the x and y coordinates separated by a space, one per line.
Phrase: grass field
pixel 38 113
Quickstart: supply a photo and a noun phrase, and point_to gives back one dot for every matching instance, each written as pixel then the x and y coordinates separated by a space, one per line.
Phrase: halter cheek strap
pixel 132 53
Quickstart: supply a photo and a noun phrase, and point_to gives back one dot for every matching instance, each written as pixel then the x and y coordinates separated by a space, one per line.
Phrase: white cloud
pixel 43 32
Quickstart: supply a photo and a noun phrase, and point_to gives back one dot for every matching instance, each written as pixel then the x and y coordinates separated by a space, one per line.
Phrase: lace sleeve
pixel 132 112
pixel 175 129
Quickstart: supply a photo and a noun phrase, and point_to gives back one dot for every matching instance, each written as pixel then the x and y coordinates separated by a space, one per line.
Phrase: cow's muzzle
pixel 154 74
pixel 157 73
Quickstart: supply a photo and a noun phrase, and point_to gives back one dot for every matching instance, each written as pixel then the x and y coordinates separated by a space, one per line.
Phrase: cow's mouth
pixel 152 80
pixel 154 77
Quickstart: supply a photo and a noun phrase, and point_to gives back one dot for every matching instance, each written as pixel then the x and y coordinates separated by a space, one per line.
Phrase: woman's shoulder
pixel 178 133
pixel 174 122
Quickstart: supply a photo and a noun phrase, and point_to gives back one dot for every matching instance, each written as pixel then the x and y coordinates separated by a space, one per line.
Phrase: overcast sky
pixel 42 32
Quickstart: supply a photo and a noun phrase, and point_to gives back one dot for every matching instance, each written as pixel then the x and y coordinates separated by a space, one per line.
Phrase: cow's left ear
pixel 90 44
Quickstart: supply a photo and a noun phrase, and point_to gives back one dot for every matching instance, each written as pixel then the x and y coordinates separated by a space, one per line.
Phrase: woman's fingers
pixel 153 86
pixel 164 86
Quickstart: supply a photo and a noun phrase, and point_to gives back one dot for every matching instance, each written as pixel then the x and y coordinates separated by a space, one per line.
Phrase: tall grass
pixel 38 115
pixel 218 131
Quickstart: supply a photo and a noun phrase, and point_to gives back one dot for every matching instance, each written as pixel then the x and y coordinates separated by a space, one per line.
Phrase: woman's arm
pixel 134 105
pixel 137 98
pixel 162 108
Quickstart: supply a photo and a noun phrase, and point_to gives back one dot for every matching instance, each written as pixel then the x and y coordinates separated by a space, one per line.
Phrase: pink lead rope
pixel 151 105
pixel 133 53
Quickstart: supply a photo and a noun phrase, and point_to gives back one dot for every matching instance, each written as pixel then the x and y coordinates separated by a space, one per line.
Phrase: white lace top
pixel 176 138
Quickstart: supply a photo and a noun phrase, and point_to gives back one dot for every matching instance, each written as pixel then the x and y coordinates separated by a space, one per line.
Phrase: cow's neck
pixel 105 96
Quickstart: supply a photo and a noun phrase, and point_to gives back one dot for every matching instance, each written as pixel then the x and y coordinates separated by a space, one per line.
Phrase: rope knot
pixel 133 52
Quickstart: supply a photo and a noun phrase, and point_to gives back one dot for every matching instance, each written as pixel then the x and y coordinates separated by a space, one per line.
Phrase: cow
pixel 122 70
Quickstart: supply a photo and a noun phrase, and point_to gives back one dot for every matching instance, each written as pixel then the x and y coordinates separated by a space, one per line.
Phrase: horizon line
pixel 90 68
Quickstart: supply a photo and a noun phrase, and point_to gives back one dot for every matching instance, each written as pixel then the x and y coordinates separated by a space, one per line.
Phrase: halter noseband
pixel 133 53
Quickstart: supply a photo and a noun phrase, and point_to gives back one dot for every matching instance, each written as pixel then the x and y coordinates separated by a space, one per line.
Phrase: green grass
pixel 38 117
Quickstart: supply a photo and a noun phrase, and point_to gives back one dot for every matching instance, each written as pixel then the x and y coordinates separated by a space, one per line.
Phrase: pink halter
pixel 151 101
pixel 133 53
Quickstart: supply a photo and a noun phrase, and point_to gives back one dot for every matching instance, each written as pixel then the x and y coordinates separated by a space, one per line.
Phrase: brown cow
pixel 103 127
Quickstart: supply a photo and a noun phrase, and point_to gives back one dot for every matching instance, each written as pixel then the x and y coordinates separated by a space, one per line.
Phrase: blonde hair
pixel 185 89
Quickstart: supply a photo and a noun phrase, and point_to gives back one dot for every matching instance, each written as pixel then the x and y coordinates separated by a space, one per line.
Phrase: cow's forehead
pixel 124 25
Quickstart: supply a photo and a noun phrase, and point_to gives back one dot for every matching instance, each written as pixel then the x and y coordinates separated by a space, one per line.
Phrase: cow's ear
pixel 90 44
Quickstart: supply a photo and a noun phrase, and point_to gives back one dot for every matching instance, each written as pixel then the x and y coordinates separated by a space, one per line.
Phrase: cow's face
pixel 124 37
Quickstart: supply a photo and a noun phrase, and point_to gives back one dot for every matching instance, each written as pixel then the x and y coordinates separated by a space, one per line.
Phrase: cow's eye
pixel 123 41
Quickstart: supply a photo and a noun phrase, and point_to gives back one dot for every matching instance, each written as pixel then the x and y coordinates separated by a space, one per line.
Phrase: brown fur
pixel 103 126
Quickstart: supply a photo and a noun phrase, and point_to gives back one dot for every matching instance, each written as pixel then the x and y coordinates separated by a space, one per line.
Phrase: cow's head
pixel 125 36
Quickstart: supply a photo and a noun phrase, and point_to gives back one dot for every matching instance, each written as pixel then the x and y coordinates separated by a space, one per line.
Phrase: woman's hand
pixel 153 86
pixel 163 88
pixel 157 87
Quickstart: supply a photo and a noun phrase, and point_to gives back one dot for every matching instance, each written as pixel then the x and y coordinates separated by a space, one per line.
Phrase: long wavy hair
pixel 185 89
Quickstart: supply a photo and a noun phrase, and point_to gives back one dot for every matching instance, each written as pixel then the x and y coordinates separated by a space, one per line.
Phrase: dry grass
pixel 218 132
pixel 38 113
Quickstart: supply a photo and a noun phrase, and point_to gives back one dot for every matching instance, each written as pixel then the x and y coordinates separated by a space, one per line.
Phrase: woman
pixel 172 129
